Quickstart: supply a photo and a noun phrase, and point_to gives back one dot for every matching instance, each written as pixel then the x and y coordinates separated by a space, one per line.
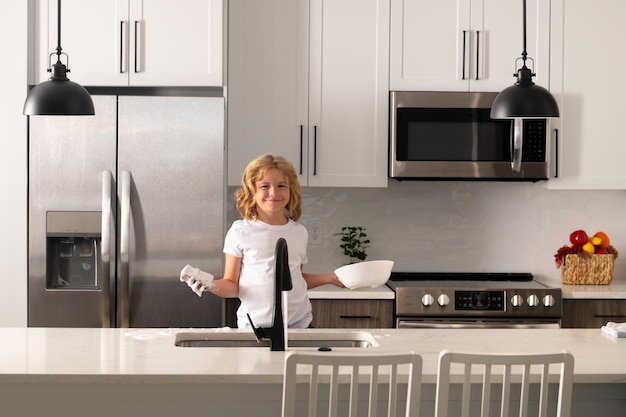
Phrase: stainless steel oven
pixel 474 300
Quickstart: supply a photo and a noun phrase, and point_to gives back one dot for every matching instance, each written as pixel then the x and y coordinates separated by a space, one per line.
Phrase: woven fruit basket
pixel 587 269
pixel 587 260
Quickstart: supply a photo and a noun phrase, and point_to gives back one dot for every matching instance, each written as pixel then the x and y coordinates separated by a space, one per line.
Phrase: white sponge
pixel 198 280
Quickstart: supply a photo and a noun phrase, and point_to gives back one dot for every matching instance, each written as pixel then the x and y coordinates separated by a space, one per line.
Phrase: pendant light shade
pixel 524 99
pixel 58 96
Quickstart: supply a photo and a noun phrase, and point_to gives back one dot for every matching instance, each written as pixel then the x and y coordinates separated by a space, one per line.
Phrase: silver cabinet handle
pixel 314 150
pixel 556 153
pixel 122 33
pixel 105 249
pixel 124 280
pixel 136 45
pixel 463 54
pixel 477 55
pixel 301 146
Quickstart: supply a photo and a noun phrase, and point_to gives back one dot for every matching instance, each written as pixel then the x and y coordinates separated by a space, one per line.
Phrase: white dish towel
pixel 614 329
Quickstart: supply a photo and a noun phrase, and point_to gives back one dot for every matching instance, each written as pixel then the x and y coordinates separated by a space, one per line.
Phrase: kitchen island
pixel 129 372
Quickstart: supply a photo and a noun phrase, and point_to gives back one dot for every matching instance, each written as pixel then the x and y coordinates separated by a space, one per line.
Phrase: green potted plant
pixel 354 243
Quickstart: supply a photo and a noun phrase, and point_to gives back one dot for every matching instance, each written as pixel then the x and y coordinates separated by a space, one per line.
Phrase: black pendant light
pixel 524 99
pixel 58 96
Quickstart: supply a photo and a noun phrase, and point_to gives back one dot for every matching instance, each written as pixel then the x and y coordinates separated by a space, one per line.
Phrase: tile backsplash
pixel 452 226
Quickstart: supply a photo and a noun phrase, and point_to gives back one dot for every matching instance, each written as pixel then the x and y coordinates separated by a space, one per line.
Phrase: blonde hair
pixel 255 171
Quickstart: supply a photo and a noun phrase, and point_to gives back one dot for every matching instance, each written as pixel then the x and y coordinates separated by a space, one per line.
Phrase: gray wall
pixel 462 226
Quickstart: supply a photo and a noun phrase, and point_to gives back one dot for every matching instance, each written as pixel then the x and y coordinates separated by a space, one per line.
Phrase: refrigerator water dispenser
pixel 73 243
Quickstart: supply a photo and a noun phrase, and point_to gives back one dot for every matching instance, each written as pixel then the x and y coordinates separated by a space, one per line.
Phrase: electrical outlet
pixel 315 232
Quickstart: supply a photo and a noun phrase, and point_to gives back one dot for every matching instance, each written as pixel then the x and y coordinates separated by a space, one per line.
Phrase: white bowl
pixel 371 274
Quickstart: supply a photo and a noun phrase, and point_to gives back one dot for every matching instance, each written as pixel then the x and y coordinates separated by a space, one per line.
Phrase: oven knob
pixel 533 300
pixel 517 300
pixel 428 300
pixel 443 300
pixel 548 300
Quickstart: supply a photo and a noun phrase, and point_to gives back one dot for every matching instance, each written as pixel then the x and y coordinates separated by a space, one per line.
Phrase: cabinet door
pixel 92 34
pixel 135 42
pixel 352 314
pixel 497 39
pixel 264 83
pixel 592 313
pixel 585 79
pixel 348 93
pixel 465 45
pixel 430 45
pixel 324 106
pixel 175 43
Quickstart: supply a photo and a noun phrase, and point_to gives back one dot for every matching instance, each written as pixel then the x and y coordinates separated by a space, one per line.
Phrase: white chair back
pixel 485 370
pixel 383 375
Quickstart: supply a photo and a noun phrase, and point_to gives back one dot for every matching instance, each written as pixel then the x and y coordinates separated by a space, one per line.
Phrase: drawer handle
pixel 608 316
pixel 351 316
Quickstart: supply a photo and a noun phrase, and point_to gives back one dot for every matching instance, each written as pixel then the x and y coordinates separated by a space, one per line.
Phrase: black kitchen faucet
pixel 282 282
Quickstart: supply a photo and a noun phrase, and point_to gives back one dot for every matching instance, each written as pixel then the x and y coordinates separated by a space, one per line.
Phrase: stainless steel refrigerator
pixel 119 202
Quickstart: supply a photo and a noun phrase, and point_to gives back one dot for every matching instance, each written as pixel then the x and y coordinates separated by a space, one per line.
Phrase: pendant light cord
pixel 58 96
pixel 524 53
pixel 59 31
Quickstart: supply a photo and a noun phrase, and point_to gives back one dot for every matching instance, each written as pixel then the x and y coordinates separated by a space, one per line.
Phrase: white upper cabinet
pixel 135 42
pixel 309 80
pixel 262 95
pixel 586 79
pixel 465 45
pixel 348 93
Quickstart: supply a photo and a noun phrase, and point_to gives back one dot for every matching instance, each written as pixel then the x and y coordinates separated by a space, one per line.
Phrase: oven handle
pixel 409 324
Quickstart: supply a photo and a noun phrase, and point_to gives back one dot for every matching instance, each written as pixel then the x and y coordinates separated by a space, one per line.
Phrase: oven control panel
pixel 479 300
pixel 461 302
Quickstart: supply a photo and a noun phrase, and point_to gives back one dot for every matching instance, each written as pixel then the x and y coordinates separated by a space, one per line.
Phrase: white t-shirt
pixel 255 242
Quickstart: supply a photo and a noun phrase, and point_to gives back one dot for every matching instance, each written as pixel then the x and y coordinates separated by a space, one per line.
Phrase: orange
pixel 605 239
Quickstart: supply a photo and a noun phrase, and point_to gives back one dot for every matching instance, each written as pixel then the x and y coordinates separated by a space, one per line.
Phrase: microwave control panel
pixel 534 147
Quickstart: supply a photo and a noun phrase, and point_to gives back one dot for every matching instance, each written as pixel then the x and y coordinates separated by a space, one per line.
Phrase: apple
pixel 578 238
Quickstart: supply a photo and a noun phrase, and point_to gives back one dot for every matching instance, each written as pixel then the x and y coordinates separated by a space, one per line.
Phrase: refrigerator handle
pixel 105 249
pixel 124 250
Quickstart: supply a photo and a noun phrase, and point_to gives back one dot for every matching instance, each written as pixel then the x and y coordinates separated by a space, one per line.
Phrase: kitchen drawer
pixel 352 314
pixel 592 313
pixel 337 313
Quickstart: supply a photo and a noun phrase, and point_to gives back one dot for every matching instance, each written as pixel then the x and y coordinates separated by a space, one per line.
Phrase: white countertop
pixel 615 290
pixel 610 291
pixel 333 292
pixel 148 356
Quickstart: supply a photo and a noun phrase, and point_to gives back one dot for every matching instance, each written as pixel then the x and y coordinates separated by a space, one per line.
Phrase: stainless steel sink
pixel 296 340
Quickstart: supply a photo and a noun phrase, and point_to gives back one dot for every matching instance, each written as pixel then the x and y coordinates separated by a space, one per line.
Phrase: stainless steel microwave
pixel 449 135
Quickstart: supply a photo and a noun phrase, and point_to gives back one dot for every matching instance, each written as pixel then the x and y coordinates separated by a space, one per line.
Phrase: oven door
pixel 477 323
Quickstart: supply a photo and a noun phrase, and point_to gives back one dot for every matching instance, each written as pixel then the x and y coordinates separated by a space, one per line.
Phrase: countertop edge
pixel 331 292
pixel 149 356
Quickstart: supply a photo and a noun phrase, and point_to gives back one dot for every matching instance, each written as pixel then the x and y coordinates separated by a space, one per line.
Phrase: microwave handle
pixel 517 138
